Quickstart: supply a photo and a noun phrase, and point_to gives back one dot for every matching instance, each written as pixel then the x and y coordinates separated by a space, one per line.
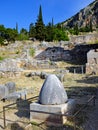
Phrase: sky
pixel 24 12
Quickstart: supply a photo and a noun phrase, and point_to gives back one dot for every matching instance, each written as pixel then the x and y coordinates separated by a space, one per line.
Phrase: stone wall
pixel 54 54
pixel 79 52
pixel 10 67
pixel 84 38
pixel 76 55
pixel 92 62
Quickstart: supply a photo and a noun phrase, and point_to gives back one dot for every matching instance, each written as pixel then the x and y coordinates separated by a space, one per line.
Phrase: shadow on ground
pixel 15 126
pixel 80 91
pixel 89 80
pixel 21 106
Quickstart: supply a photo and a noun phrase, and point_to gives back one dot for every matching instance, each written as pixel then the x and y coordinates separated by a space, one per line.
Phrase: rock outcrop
pixel 84 17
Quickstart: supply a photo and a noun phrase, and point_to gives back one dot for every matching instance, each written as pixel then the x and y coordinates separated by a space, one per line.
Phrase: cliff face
pixel 84 17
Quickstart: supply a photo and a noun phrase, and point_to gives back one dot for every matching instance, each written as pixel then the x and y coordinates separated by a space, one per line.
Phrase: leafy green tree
pixel 2 34
pixel 58 26
pixel 71 31
pixel 24 31
pixel 40 27
pixel 23 35
pixel 7 34
pixel 11 34
pixel 59 35
pixel 2 31
pixel 1 40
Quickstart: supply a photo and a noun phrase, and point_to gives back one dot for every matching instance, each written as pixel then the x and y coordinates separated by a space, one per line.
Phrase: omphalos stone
pixel 52 92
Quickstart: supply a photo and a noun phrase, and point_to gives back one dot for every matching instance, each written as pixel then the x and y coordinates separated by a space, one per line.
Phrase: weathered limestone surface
pixel 92 62
pixel 51 119
pixel 54 54
pixel 52 92
pixel 84 38
pixel 52 101
pixel 6 89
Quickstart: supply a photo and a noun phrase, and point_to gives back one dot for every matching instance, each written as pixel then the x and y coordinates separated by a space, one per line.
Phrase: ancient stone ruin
pixel 54 54
pixel 84 38
pixel 7 89
pixel 92 62
pixel 10 67
pixel 8 92
pixel 52 99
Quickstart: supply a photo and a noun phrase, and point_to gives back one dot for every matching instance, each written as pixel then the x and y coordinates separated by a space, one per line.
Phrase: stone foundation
pixel 51 119
pixel 10 74
pixel 92 62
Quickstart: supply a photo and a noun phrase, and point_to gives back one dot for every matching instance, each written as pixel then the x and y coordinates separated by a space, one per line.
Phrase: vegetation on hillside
pixel 86 20
pixel 49 32
pixel 38 31
pixel 76 30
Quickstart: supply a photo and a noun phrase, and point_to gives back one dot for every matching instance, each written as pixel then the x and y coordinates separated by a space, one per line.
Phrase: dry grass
pixel 74 83
pixel 23 82
pixel 76 80
pixel 62 64
pixel 70 81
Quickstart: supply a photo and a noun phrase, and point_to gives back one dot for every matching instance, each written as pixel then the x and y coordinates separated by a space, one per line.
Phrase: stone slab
pixel 51 119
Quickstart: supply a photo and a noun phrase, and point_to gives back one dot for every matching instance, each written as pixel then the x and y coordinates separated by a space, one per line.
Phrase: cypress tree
pixel 52 22
pixel 17 27
pixel 49 32
pixel 91 27
pixel 40 27
pixel 32 31
pixel 76 29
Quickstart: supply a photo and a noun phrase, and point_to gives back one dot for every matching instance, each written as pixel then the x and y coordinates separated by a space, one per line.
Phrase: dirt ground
pixel 78 85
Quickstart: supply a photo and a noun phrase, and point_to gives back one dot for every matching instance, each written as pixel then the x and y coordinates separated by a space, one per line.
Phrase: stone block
pixel 51 119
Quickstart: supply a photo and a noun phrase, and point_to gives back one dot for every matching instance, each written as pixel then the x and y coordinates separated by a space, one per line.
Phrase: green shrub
pixel 22 37
pixel 1 58
pixel 32 52
pixel 17 51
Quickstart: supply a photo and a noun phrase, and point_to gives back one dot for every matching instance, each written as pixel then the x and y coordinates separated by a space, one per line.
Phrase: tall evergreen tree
pixel 91 26
pixel 52 22
pixel 49 32
pixel 76 29
pixel 32 31
pixel 39 26
pixel 17 27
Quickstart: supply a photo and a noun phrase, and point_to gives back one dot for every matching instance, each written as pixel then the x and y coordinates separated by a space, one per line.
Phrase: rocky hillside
pixel 86 16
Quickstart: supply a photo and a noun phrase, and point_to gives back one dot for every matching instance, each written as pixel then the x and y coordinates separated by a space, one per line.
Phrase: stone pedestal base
pixel 51 119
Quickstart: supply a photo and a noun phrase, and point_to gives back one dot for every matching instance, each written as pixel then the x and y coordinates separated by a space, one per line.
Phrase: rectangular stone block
pixel 51 119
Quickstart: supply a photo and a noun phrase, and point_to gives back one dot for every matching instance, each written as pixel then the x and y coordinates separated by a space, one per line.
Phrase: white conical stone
pixel 52 92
